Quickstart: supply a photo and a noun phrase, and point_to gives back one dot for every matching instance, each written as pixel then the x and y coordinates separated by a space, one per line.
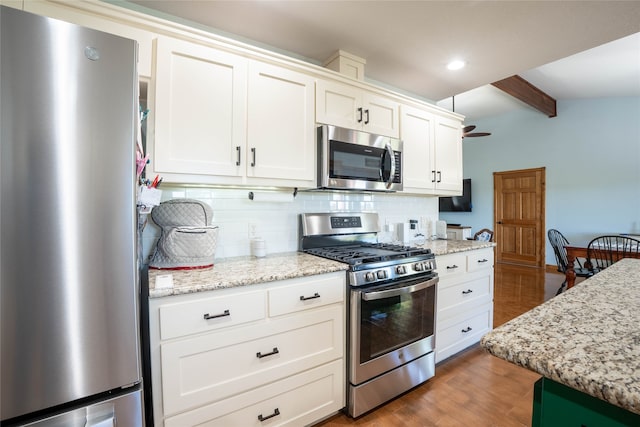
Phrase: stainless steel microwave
pixel 354 160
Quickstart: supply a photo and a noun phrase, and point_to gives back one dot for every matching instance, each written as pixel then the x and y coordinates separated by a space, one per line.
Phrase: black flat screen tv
pixel 458 203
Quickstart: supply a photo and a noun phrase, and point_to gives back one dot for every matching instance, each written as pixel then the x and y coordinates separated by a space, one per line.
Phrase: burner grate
pixel 367 253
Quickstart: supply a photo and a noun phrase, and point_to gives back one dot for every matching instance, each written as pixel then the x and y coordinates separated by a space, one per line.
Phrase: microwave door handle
pixel 392 173
pixel 401 290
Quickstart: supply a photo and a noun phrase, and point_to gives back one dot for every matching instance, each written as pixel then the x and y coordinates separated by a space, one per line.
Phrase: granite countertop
pixel 246 270
pixel 444 247
pixel 242 271
pixel 587 338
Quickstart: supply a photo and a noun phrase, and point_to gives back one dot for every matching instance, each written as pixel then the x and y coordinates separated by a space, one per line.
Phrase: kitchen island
pixel 586 345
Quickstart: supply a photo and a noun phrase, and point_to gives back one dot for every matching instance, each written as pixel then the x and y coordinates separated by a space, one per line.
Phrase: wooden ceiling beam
pixel 521 89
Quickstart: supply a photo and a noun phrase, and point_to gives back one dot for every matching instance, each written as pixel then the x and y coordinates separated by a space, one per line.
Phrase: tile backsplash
pixel 277 222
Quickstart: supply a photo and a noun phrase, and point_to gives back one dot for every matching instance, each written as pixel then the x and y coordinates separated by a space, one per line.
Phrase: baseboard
pixel 550 268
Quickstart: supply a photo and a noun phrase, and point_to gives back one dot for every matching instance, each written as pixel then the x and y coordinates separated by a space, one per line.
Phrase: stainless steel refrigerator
pixel 70 353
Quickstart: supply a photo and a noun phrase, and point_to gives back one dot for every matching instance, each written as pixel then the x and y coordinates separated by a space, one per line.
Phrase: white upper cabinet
pixel 281 128
pixel 355 108
pixel 432 152
pixel 200 110
pixel 448 156
pixel 224 119
pixel 417 129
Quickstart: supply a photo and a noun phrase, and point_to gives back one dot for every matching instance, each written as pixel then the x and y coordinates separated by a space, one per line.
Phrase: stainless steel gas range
pixel 391 306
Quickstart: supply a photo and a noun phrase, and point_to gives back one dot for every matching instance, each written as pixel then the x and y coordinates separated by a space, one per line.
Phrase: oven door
pixel 390 325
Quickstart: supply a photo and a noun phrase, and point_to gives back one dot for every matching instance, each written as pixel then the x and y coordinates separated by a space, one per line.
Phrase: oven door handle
pixel 401 290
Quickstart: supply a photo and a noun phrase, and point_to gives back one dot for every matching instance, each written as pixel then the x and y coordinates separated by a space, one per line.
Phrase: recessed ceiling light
pixel 456 65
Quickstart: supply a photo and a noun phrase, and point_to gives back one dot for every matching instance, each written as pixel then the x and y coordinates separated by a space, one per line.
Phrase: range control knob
pixel 370 276
pixel 418 266
pixel 401 269
pixel 381 274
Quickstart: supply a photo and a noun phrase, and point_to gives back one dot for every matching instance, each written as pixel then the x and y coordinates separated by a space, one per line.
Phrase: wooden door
pixel 519 212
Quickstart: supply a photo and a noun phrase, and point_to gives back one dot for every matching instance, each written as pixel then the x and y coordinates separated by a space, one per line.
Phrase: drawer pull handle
pixel 483 260
pixel 208 316
pixel 452 267
pixel 275 412
pixel 275 351
pixel 467 329
pixel 468 291
pixel 314 296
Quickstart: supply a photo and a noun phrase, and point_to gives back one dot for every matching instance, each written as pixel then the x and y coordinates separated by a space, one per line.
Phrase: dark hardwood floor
pixel 473 388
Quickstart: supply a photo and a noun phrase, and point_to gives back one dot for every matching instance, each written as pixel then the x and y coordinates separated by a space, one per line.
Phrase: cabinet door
pixel 200 110
pixel 381 115
pixel 281 127
pixel 339 105
pixel 448 152
pixel 209 367
pixel 416 132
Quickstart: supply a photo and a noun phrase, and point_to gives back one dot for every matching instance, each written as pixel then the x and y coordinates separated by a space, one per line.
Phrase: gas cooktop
pixel 364 253
pixel 352 238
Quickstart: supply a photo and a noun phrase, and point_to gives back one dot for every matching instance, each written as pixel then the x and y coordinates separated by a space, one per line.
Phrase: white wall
pixel 278 223
pixel 591 152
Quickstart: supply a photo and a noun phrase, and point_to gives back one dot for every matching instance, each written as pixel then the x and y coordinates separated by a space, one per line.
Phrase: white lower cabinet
pixel 294 401
pixel 278 358
pixel 465 300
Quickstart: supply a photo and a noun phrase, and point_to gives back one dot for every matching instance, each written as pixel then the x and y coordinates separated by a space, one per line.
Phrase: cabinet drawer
pixel 457 333
pixel 480 260
pixel 207 314
pixel 448 265
pixel 470 291
pixel 210 367
pixel 300 400
pixel 310 294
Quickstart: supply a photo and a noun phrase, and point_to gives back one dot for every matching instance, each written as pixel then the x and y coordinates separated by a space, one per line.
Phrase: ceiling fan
pixel 466 131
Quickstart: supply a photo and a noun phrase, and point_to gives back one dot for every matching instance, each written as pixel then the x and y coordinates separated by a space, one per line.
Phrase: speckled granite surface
pixel 443 247
pixel 242 271
pixel 587 338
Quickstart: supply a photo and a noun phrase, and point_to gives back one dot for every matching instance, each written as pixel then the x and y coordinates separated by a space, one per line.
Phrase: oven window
pixel 353 161
pixel 390 323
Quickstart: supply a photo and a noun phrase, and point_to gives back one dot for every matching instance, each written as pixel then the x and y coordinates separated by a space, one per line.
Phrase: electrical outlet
pixel 252 230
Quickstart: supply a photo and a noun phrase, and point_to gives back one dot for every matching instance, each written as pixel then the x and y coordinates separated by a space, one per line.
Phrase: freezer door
pixel 68 278
pixel 124 410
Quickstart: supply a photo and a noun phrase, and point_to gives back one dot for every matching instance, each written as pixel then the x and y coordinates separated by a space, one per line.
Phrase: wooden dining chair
pixel 606 250
pixel 558 243
pixel 484 235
